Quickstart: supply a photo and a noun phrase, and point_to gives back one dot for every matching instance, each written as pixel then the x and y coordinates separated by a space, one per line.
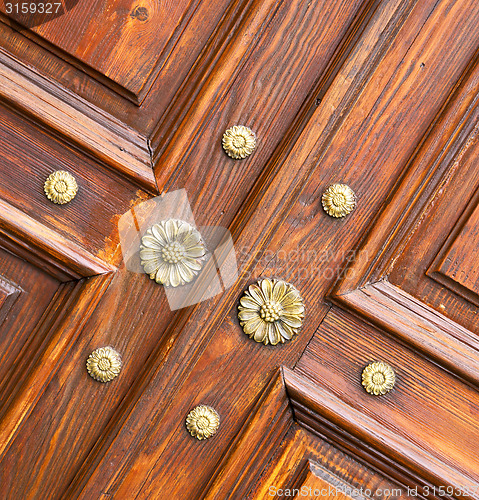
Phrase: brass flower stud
pixel 378 378
pixel 104 364
pixel 60 187
pixel 338 200
pixel 172 252
pixel 239 142
pixel 202 422
pixel 271 311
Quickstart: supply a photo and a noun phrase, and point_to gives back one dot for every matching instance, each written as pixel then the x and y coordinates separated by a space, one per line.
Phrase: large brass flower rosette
pixel 271 311
pixel 172 252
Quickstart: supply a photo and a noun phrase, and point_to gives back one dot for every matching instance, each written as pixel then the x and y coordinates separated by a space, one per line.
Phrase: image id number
pixel 32 8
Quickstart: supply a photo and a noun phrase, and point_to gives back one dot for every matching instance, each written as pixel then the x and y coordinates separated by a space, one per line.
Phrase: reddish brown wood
pixel 453 262
pixel 133 41
pixel 31 290
pixel 302 455
pixel 83 231
pixel 379 95
pixel 269 422
pixel 421 431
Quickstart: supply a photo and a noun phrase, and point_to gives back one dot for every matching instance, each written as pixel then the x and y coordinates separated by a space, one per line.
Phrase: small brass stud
pixel 378 378
pixel 271 311
pixel 104 364
pixel 239 142
pixel 202 422
pixel 338 200
pixel 61 187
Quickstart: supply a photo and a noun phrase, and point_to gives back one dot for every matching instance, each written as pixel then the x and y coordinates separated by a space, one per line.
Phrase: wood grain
pixel 453 263
pixel 9 293
pixel 31 290
pixel 414 323
pixel 442 221
pixel 185 363
pixel 132 41
pixel 379 95
pixel 237 472
pixel 319 483
pixel 303 454
pixel 83 232
pixel 53 338
pixel 421 432
pixel 94 130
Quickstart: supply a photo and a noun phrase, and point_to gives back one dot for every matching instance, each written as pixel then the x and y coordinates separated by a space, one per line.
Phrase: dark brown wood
pixel 133 100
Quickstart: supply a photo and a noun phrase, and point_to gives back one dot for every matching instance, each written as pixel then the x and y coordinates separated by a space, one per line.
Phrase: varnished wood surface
pixel 40 359
pixel 455 263
pixel 89 221
pixel 318 231
pixel 132 41
pixel 411 321
pixel 425 424
pixel 67 114
pixel 34 291
pixel 378 95
pixel 298 473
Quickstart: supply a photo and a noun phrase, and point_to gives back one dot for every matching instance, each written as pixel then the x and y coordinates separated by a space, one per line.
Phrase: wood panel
pixel 303 459
pixel 270 420
pixel 133 41
pixel 413 322
pixel 318 483
pixel 93 129
pixel 256 100
pixel 89 221
pixel 183 370
pixel 8 295
pixel 32 291
pixel 400 78
pixel 424 212
pixel 184 71
pixel 421 433
pixel 453 262
pixel 441 221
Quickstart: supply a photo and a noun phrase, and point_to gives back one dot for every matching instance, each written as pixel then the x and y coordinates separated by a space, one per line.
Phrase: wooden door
pixel 133 101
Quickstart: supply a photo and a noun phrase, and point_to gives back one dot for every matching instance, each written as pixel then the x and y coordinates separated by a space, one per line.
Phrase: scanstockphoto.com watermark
pixel 301 264
pixel 364 493
pixel 333 491
pixel 159 237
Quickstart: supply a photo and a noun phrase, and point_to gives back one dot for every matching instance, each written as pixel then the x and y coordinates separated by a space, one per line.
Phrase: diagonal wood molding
pixel 289 398
pixel 325 413
pixel 31 240
pixel 417 325
pixel 117 145
pixel 61 325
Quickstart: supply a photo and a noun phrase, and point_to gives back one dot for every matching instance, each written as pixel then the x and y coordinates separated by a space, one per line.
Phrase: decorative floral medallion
pixel 172 252
pixel 202 422
pixel 338 200
pixel 271 311
pixel 378 378
pixel 104 364
pixel 61 187
pixel 239 142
